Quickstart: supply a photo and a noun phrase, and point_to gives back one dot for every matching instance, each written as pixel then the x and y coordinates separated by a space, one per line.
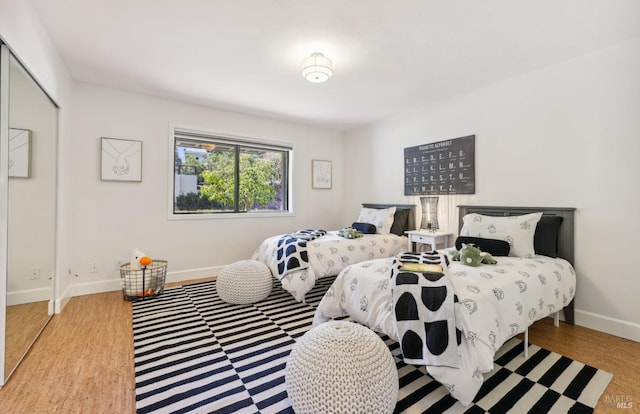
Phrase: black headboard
pixel 565 235
pixel 410 223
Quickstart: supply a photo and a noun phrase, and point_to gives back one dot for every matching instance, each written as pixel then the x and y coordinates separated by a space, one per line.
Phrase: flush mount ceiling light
pixel 317 68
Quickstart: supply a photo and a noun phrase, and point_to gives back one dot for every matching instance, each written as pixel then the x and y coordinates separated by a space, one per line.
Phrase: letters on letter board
pixel 441 168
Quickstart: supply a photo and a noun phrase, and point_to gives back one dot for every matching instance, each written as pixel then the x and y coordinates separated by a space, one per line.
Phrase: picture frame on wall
pixel 441 168
pixel 19 153
pixel 320 174
pixel 121 160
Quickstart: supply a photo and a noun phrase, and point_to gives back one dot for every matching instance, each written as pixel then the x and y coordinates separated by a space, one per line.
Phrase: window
pixel 220 174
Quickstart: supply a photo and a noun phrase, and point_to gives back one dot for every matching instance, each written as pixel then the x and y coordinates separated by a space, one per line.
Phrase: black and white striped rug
pixel 195 353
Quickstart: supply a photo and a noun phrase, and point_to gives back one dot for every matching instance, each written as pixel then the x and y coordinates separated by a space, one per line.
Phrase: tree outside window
pixel 220 177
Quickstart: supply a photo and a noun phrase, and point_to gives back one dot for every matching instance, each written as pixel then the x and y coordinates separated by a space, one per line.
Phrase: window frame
pixel 195 134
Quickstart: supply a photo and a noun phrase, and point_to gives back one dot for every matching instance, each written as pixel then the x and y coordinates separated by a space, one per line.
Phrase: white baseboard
pixel 89 288
pixel 612 326
pixel 183 275
pixel 63 300
pixel 20 297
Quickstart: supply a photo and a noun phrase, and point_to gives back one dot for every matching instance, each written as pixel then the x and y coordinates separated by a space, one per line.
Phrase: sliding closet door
pixel 28 187
pixel 4 168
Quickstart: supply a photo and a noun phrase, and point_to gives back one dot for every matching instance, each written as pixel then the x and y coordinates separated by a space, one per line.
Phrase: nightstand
pixel 433 240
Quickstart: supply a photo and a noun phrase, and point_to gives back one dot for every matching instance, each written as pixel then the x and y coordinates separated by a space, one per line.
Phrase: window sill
pixel 215 216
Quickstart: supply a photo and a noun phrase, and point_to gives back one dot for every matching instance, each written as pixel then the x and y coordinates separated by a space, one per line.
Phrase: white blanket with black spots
pixel 291 253
pixel 328 255
pixel 424 311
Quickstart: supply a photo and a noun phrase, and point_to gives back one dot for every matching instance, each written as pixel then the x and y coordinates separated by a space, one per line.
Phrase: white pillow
pixel 518 231
pixel 381 218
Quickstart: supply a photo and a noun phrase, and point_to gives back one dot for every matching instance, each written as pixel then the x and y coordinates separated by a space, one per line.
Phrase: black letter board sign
pixel 440 168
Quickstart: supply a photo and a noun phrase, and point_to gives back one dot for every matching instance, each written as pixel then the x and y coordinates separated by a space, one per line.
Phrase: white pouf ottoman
pixel 243 282
pixel 341 367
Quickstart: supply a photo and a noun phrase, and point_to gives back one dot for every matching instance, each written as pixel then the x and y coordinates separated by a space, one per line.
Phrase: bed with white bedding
pixel 328 254
pixel 494 302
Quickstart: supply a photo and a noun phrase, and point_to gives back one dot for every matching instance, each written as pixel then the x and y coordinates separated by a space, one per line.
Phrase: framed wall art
pixel 320 174
pixel 441 168
pixel 19 153
pixel 121 160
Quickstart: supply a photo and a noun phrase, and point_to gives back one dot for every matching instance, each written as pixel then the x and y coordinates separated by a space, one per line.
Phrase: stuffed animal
pixel 350 233
pixel 138 260
pixel 470 255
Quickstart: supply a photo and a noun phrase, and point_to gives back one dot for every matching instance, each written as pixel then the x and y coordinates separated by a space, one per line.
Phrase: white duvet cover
pixel 496 302
pixel 328 256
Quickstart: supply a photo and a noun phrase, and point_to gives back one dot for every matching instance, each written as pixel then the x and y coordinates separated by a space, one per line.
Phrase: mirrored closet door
pixel 28 158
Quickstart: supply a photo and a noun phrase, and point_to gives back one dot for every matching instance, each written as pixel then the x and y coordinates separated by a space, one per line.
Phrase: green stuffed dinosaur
pixel 470 255
pixel 349 233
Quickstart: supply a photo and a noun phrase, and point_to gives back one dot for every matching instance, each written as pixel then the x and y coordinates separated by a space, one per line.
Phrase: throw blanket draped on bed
pixel 424 311
pixel 292 250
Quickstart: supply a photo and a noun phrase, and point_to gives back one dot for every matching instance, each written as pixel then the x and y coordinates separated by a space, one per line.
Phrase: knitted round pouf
pixel 341 367
pixel 243 282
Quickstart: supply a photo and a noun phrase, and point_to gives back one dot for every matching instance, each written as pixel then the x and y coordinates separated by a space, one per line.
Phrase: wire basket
pixel 147 282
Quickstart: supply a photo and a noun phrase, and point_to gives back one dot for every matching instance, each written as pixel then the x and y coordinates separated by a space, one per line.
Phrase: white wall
pixel 111 218
pixel 564 136
pixel 21 29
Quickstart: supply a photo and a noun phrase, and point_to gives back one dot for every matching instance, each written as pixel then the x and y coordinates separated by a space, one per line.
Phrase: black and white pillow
pixel 381 218
pixel 518 231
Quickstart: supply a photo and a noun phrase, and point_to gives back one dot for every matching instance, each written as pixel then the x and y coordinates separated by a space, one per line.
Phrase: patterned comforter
pixel 327 256
pixel 496 302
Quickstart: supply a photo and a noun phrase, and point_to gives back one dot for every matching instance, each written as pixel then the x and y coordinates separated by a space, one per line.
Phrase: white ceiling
pixel 389 56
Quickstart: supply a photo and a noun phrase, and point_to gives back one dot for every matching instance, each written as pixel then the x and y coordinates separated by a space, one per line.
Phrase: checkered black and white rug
pixel 195 353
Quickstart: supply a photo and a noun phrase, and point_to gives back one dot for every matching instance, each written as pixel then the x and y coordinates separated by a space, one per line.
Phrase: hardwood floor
pixel 22 325
pixel 83 361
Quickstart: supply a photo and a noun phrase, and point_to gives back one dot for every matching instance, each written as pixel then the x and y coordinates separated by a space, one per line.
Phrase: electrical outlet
pixel 93 267
pixel 35 273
